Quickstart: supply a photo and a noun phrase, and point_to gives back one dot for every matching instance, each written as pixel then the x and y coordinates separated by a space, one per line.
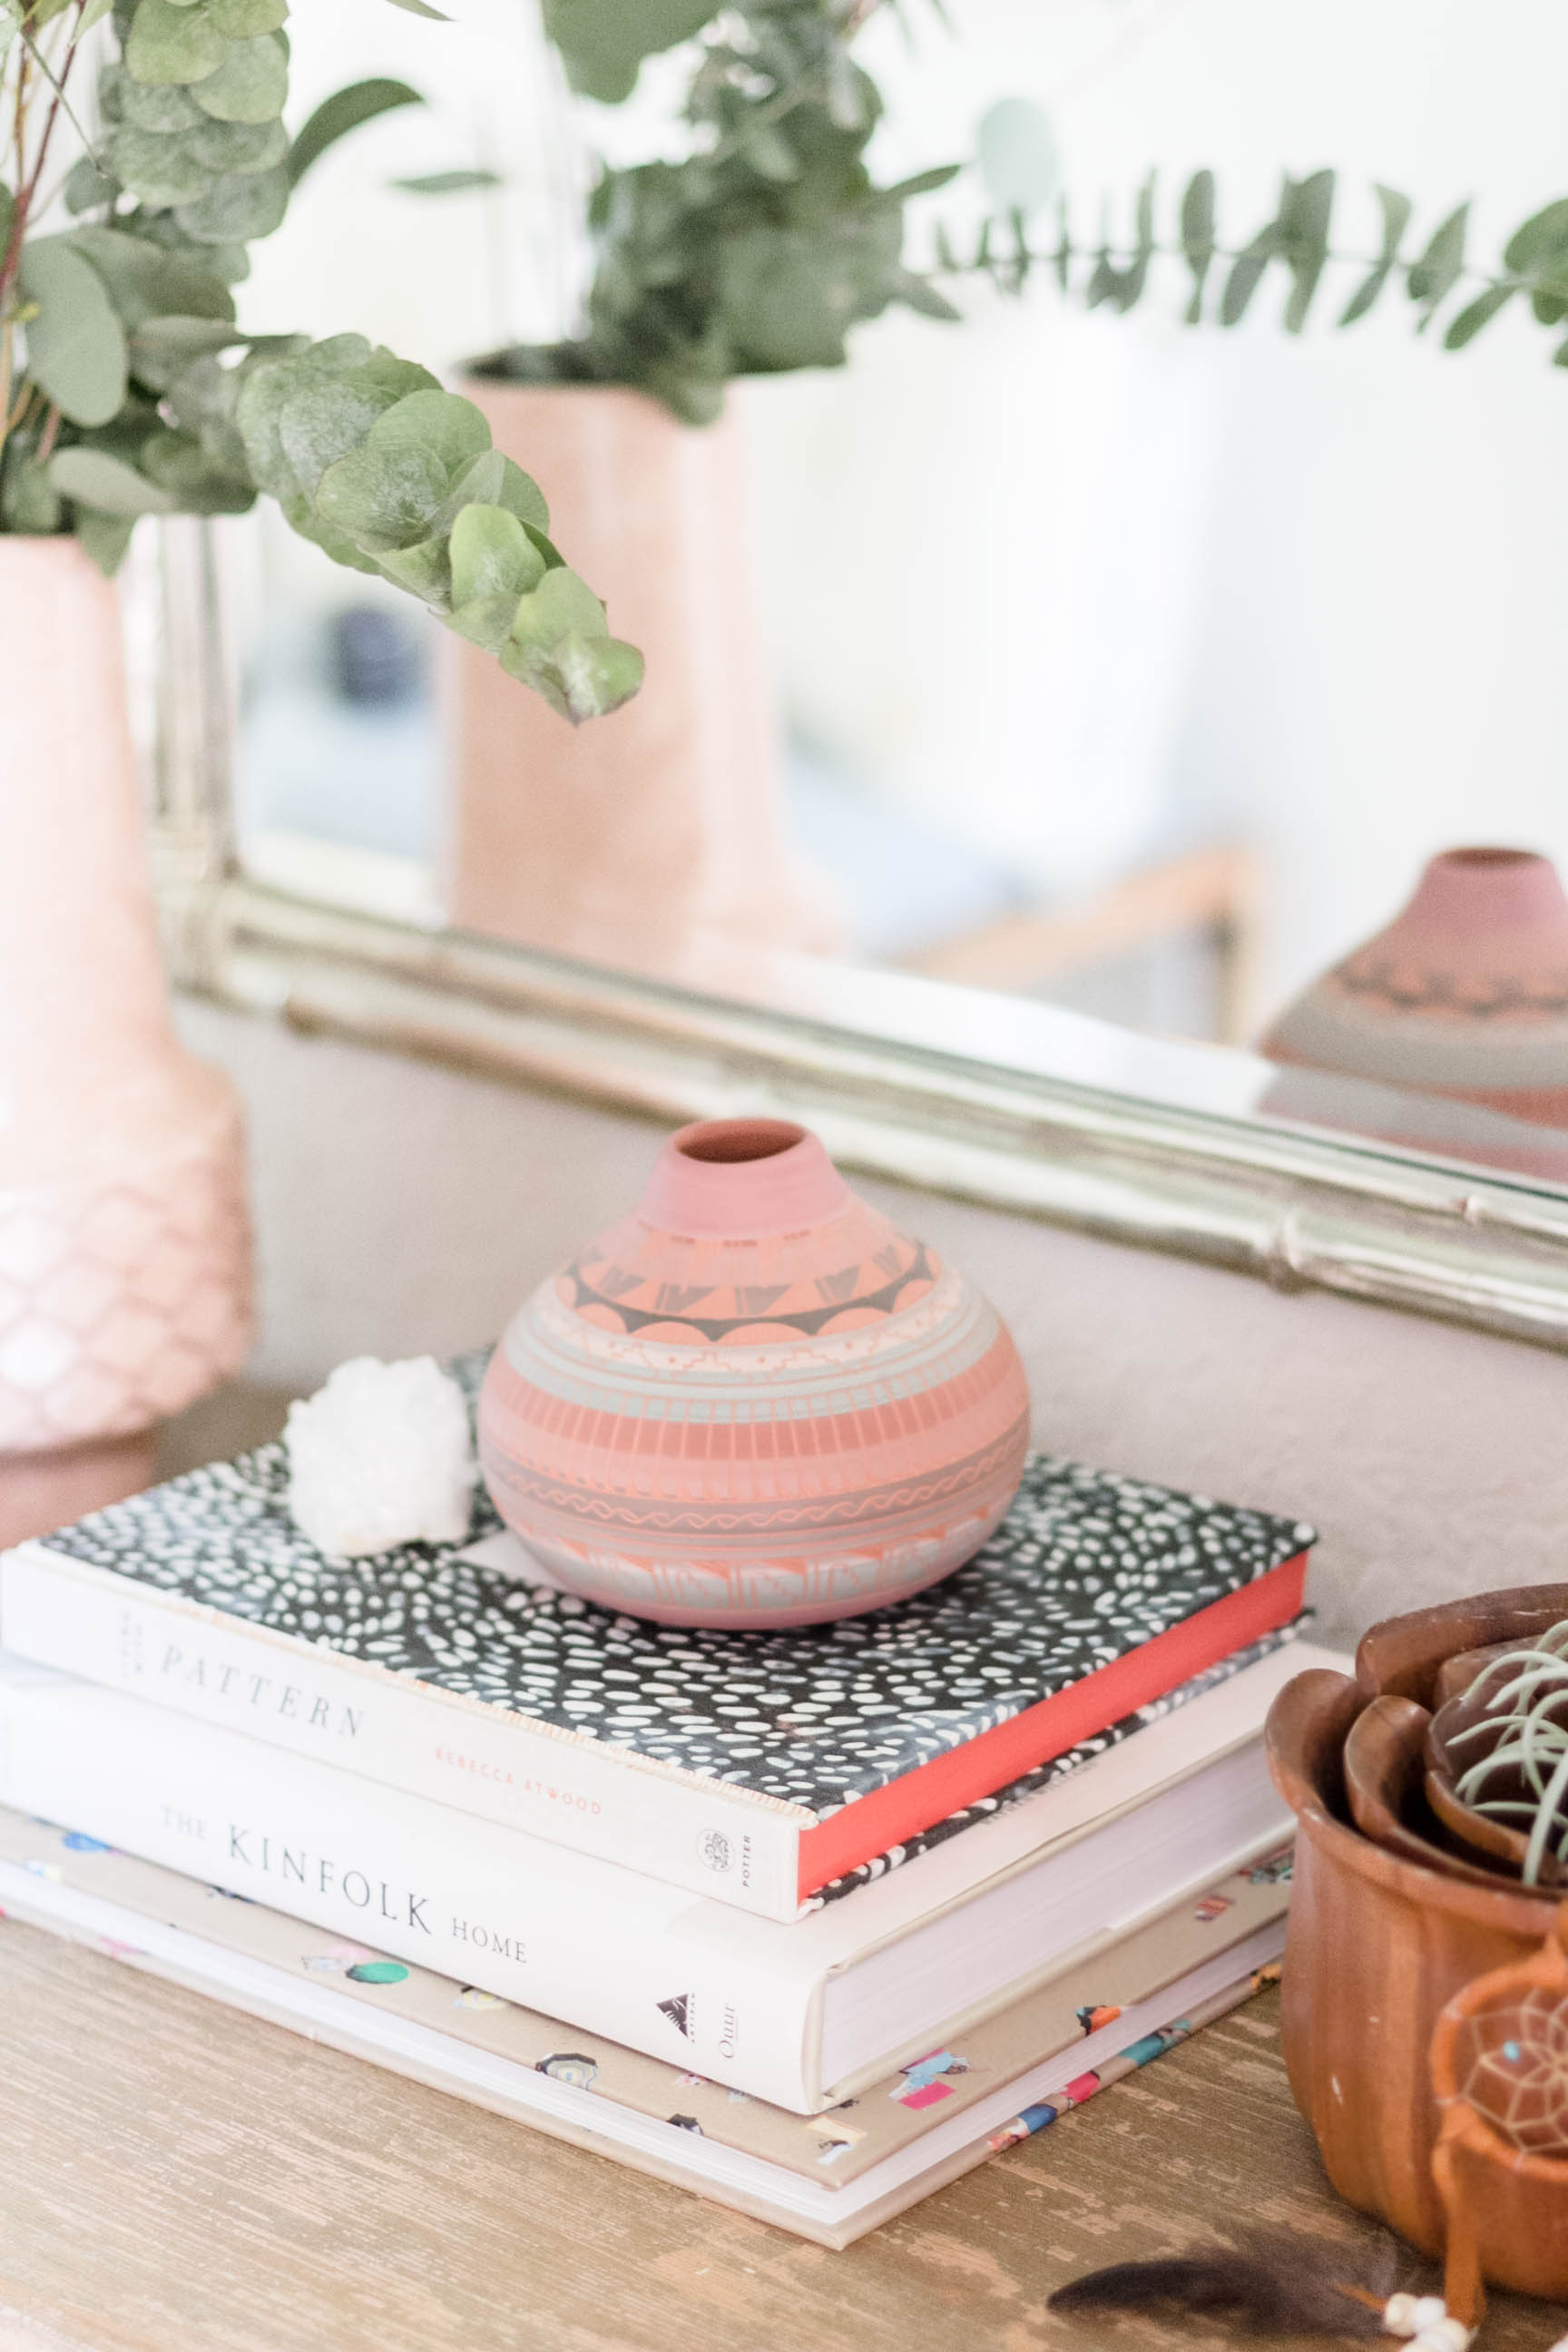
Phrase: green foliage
pixel 762 249
pixel 342 113
pixel 126 388
pixel 1294 247
pixel 370 458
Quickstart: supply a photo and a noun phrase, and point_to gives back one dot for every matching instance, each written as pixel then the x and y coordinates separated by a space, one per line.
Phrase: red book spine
pixel 1087 1707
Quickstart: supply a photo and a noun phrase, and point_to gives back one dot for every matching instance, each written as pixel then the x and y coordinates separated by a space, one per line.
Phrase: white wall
pixel 403 1208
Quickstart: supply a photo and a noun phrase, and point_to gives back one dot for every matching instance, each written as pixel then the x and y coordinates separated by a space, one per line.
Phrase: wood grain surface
pixel 176 2178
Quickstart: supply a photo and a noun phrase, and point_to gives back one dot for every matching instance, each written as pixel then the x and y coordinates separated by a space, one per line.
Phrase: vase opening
pixel 1493 857
pixel 729 1142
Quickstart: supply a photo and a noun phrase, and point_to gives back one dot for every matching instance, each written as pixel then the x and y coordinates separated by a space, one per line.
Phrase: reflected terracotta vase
pixel 1378 1944
pixel 124 1242
pixel 753 1402
pixel 633 839
pixel 1464 993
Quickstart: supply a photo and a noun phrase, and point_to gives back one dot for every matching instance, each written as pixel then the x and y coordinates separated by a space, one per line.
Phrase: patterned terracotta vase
pixel 753 1402
pixel 124 1242
pixel 1464 993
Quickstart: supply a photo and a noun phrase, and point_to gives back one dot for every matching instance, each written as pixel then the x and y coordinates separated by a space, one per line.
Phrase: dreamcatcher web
pixel 1511 2063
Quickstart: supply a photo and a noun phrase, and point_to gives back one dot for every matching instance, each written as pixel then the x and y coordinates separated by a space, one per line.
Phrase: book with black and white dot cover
pixel 776 1771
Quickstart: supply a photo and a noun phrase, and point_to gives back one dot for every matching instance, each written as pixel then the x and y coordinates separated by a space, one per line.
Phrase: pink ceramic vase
pixel 753 1402
pixel 125 1244
pixel 1464 993
pixel 648 836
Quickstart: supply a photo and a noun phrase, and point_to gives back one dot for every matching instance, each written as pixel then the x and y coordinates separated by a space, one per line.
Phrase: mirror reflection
pixel 1132 647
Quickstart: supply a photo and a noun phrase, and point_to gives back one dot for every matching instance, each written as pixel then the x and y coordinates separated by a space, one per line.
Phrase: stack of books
pixel 808 1921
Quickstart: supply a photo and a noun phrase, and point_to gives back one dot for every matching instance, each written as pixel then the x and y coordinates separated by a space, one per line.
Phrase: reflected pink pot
pixel 753 1402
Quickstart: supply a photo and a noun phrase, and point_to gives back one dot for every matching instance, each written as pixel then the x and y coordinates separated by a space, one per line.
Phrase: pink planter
pixel 124 1242
pixel 753 1401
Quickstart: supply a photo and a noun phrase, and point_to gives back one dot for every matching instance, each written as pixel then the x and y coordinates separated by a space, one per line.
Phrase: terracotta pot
pixel 124 1247
pixel 630 840
pixel 753 1401
pixel 1378 1944
pixel 1450 1755
pixel 1498 2190
pixel 1383 1753
pixel 1465 992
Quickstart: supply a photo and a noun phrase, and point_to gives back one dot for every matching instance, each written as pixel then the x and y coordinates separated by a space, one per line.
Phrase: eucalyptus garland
pixel 128 388
pixel 1293 247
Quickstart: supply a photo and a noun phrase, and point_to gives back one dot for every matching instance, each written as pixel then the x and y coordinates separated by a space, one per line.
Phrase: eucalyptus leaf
pixel 581 677
pixel 87 187
pixel 560 606
pixel 29 501
pixel 240 206
pixel 301 516
pixel 76 343
pixel 327 419
pixel 1396 211
pixel 1306 212
pixel 604 42
pixel 448 183
pixel 104 538
pixel 441 424
pixel 267 387
pixel 1468 324
pixel 425 569
pixel 162 107
pixel 169 44
pixel 344 111
pixel 96 480
pixel 1198 238
pixel 250 84
pixel 381 499
pixel 422 8
pixel 159 169
pixel 198 483
pixel 492 555
pixel 484 621
pixel 241 20
pixel 146 281
pixel 1441 268
pixel 236 146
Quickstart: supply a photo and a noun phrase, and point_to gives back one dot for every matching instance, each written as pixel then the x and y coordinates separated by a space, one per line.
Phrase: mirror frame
pixel 889 1080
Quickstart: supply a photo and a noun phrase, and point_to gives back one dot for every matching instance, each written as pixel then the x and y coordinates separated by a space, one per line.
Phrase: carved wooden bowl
pixel 1380 1943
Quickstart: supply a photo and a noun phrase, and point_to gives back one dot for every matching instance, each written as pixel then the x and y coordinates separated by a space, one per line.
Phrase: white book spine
pixel 583 1794
pixel 597 1945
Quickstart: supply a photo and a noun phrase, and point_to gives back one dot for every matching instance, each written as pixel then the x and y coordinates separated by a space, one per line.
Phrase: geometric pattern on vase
pixel 1465 992
pixel 754 1401
pixel 124 1297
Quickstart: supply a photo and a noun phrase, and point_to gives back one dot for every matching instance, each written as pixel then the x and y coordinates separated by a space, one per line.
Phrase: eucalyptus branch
pixel 1297 241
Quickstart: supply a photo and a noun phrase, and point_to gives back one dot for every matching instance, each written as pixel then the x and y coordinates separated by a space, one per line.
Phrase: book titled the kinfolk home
pixel 767 1771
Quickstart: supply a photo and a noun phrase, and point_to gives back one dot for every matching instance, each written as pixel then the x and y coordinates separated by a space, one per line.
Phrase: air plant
pixel 1525 1717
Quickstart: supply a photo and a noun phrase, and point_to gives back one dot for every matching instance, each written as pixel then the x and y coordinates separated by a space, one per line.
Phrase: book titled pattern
pixel 764 1769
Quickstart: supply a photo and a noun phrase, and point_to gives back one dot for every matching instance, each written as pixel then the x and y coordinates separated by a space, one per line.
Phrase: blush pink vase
pixel 753 1402
pixel 125 1244
pixel 1465 992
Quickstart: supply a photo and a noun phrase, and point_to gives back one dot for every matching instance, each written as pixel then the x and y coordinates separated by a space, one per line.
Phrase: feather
pixel 1284 2285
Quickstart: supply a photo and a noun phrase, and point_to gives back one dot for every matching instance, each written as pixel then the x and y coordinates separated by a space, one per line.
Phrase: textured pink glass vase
pixel 753 1402
pixel 1465 992
pixel 124 1242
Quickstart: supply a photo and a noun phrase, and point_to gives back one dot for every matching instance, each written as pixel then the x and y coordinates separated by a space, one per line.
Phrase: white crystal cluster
pixel 381 1455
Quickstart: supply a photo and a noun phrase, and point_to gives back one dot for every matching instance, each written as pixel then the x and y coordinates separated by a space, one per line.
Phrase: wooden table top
pixel 177 2178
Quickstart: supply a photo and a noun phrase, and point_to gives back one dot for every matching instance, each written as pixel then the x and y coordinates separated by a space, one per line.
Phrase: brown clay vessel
pixel 1385 1751
pixel 1380 1943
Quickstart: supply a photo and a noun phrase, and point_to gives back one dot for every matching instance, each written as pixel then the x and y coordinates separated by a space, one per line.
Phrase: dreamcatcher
pixel 1500 2072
